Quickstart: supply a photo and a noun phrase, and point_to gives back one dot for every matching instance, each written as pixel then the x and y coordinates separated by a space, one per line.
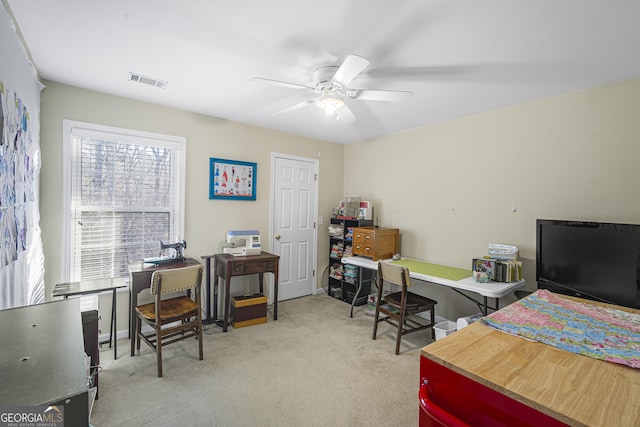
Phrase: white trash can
pixel 444 328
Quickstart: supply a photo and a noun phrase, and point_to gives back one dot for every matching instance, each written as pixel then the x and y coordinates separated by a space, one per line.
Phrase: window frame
pixel 71 129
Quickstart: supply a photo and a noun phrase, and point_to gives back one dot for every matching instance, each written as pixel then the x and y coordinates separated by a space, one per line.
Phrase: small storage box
pixel 444 328
pixel 247 310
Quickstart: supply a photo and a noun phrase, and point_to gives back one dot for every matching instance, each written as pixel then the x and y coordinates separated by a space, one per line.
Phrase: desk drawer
pixel 253 267
pixel 363 250
pixel 359 235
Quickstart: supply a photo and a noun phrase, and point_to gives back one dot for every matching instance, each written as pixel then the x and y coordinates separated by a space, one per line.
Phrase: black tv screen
pixel 592 260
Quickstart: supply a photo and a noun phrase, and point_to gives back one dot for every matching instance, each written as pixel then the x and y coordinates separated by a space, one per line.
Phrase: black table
pixel 95 286
pixel 42 359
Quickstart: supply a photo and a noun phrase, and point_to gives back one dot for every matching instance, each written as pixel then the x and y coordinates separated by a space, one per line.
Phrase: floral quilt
pixel 599 332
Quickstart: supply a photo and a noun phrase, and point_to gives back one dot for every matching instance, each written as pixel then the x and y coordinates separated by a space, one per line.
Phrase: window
pixel 124 193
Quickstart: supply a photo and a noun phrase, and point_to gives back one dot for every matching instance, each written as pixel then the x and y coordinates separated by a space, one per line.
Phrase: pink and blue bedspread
pixel 599 332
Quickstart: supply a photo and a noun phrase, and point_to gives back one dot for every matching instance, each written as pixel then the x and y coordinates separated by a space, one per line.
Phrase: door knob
pixel 277 236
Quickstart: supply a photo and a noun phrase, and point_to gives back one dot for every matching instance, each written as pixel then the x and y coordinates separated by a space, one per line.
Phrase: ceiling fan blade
pixel 285 84
pixel 383 95
pixel 294 107
pixel 350 68
pixel 345 115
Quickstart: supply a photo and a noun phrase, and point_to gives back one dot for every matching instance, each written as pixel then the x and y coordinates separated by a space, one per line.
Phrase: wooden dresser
pixel 376 242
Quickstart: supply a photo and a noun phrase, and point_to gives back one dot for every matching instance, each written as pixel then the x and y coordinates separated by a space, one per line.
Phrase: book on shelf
pixel 497 270
pixel 509 271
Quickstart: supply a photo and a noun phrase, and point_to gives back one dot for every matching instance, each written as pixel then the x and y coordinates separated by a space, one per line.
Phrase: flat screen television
pixel 592 260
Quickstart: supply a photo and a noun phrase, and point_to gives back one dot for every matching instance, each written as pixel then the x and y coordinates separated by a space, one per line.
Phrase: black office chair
pixel 399 307
pixel 522 294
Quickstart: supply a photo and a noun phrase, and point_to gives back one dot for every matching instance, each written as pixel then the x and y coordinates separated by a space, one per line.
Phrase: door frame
pixel 314 255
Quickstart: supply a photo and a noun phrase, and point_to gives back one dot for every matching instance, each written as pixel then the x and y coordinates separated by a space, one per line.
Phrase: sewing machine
pixel 250 243
pixel 178 254
pixel 178 247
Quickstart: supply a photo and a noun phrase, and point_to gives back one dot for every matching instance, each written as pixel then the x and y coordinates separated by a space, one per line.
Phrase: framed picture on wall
pixel 232 179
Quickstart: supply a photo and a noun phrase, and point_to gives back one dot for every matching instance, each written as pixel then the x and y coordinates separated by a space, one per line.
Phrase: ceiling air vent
pixel 135 77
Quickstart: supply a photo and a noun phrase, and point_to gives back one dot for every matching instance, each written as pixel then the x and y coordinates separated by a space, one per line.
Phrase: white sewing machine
pixel 250 242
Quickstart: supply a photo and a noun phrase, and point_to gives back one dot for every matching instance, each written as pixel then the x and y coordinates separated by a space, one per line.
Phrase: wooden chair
pixel 399 306
pixel 181 314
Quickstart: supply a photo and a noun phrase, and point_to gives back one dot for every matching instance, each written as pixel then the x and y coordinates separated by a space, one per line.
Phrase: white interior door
pixel 293 237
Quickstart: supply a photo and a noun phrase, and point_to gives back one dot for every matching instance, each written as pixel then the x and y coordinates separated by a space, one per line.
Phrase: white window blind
pixel 126 194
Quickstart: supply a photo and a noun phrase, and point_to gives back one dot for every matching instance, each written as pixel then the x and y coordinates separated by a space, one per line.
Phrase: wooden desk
pixel 94 286
pixel 458 283
pixel 479 364
pixel 228 266
pixel 140 274
pixel 42 359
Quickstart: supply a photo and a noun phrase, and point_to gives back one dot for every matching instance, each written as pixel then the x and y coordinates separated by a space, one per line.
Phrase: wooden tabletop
pixel 575 389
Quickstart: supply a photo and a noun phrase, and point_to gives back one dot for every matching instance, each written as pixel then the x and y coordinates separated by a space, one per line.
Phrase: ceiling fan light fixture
pixel 332 90
pixel 329 104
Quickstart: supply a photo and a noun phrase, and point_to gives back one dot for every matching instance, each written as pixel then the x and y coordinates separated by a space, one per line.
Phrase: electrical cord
pixel 326 268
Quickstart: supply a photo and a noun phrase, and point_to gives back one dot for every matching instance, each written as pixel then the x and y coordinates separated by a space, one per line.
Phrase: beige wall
pixel 206 221
pixel 451 187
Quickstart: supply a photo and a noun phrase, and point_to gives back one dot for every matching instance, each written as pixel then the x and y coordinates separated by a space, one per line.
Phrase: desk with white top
pixel 454 278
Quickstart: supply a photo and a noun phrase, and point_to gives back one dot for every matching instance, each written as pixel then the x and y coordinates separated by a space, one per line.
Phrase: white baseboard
pixel 119 335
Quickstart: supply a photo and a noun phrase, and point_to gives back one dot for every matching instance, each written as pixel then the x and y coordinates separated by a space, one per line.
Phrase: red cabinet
pixel 450 399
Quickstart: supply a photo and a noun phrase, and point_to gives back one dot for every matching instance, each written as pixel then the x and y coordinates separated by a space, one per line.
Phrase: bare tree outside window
pixel 125 198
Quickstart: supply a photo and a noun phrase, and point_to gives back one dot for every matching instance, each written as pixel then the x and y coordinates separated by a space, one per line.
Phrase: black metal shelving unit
pixel 343 281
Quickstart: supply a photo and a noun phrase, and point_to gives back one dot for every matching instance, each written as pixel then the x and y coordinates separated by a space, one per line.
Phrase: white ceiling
pixel 459 57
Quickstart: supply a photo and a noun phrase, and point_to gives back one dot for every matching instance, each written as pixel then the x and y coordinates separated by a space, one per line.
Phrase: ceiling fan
pixel 331 85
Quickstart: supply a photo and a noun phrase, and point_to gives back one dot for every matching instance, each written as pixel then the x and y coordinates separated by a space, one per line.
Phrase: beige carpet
pixel 314 366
